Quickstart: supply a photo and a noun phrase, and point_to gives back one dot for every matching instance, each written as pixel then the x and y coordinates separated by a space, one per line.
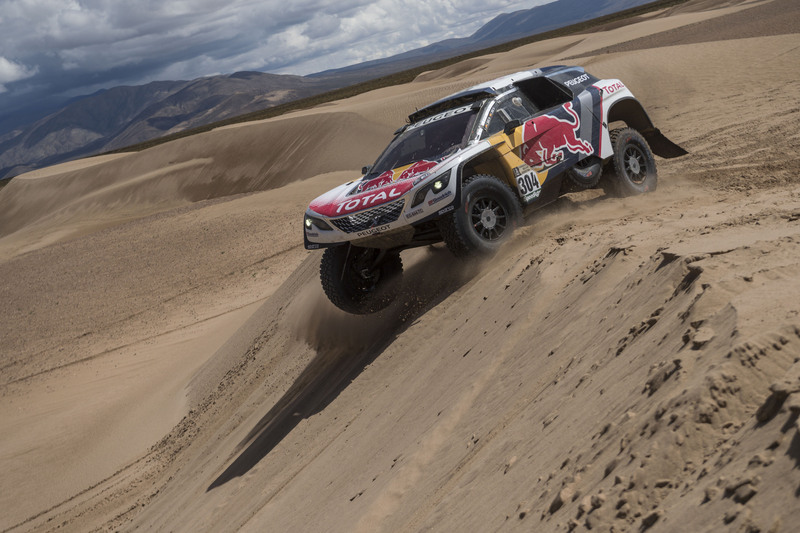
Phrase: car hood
pixel 370 192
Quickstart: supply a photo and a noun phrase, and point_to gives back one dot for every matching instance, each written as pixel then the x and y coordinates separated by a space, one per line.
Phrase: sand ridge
pixel 169 357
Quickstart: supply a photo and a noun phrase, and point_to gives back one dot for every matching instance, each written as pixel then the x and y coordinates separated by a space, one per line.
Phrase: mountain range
pixel 122 116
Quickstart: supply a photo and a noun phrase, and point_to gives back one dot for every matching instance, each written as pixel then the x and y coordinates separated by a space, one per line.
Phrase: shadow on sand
pixel 346 345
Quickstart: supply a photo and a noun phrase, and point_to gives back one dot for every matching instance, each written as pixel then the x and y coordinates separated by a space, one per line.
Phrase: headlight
pixel 314 221
pixel 436 185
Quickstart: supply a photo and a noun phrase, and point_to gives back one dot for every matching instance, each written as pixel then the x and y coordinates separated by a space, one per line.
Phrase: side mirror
pixel 365 170
pixel 511 126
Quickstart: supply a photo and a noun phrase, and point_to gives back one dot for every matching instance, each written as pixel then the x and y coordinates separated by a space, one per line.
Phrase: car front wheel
pixel 360 280
pixel 487 217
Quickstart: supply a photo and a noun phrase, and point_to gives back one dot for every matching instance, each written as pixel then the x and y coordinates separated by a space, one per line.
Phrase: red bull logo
pixel 416 168
pixel 390 176
pixel 547 138
pixel 381 181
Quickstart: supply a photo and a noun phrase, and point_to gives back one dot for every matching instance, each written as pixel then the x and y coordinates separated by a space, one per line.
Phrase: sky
pixel 66 48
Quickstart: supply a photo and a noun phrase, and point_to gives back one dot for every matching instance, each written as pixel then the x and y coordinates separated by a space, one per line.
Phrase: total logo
pixel 612 88
pixel 368 200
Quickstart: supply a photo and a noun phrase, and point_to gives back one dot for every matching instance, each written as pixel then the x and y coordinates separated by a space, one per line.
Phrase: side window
pixel 544 93
pixel 513 107
pixel 518 107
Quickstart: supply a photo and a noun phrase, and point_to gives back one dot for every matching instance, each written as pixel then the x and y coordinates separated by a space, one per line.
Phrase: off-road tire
pixel 486 218
pixel 633 163
pixel 350 288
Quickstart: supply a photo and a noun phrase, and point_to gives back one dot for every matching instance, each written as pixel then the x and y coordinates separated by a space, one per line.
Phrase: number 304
pixel 528 183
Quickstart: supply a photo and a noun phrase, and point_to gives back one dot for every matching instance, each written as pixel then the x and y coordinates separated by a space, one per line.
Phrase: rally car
pixel 464 167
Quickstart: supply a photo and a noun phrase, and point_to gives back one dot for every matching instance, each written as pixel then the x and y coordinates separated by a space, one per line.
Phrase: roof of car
pixel 482 91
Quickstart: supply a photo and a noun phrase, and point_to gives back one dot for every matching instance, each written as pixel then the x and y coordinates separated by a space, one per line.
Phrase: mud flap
pixel 661 146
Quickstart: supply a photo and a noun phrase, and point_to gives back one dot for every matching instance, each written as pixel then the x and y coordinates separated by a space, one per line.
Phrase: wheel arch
pixel 631 112
pixel 489 162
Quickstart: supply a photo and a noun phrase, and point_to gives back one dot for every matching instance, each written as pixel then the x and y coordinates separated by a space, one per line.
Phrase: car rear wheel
pixel 360 280
pixel 487 217
pixel 634 164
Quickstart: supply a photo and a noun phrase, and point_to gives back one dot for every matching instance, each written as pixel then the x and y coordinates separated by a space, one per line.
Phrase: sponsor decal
pixel 416 168
pixel 576 81
pixel 372 231
pixel 375 183
pixel 414 213
pixel 440 198
pixel 489 116
pixel 440 116
pixel 547 138
pixel 312 246
pixel 398 174
pixel 336 203
pixel 613 87
pixel 447 209
pixel 368 200
pixel 528 183
pixel 311 234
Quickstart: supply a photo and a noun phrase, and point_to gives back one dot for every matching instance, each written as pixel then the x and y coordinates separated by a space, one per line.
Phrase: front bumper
pixel 392 219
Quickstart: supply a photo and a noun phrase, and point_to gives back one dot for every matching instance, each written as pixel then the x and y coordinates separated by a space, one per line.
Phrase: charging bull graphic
pixel 547 138
pixel 391 176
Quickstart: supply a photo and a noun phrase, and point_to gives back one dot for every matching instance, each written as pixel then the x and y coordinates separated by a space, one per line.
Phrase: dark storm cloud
pixel 63 48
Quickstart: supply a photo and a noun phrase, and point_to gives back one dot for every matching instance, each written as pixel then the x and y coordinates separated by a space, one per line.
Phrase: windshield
pixel 430 140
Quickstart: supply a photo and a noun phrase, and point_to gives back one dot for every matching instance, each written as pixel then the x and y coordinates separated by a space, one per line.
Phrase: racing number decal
pixel 527 183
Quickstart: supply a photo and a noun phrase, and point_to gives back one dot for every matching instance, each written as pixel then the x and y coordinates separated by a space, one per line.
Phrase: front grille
pixel 384 214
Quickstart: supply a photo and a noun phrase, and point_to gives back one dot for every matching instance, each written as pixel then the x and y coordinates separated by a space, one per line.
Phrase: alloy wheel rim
pixel 634 163
pixel 489 219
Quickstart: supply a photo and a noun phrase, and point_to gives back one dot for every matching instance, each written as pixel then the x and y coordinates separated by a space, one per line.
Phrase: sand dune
pixel 170 362
pixel 220 163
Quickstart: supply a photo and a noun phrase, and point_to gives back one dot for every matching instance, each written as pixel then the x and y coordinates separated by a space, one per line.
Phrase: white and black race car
pixel 462 169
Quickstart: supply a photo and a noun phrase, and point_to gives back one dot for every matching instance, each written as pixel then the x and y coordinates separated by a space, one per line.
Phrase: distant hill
pixel 501 29
pixel 123 116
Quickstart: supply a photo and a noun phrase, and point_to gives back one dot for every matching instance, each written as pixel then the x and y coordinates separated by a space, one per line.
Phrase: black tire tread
pixel 454 235
pixel 342 295
pixel 616 183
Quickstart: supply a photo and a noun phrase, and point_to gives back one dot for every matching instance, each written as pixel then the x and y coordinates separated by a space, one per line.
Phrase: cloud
pixel 70 46
pixel 11 72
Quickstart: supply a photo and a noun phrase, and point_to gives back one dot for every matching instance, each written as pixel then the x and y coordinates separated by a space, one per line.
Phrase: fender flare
pixel 631 112
pixel 459 170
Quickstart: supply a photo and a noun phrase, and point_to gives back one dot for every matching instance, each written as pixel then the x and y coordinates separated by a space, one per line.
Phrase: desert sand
pixel 170 363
